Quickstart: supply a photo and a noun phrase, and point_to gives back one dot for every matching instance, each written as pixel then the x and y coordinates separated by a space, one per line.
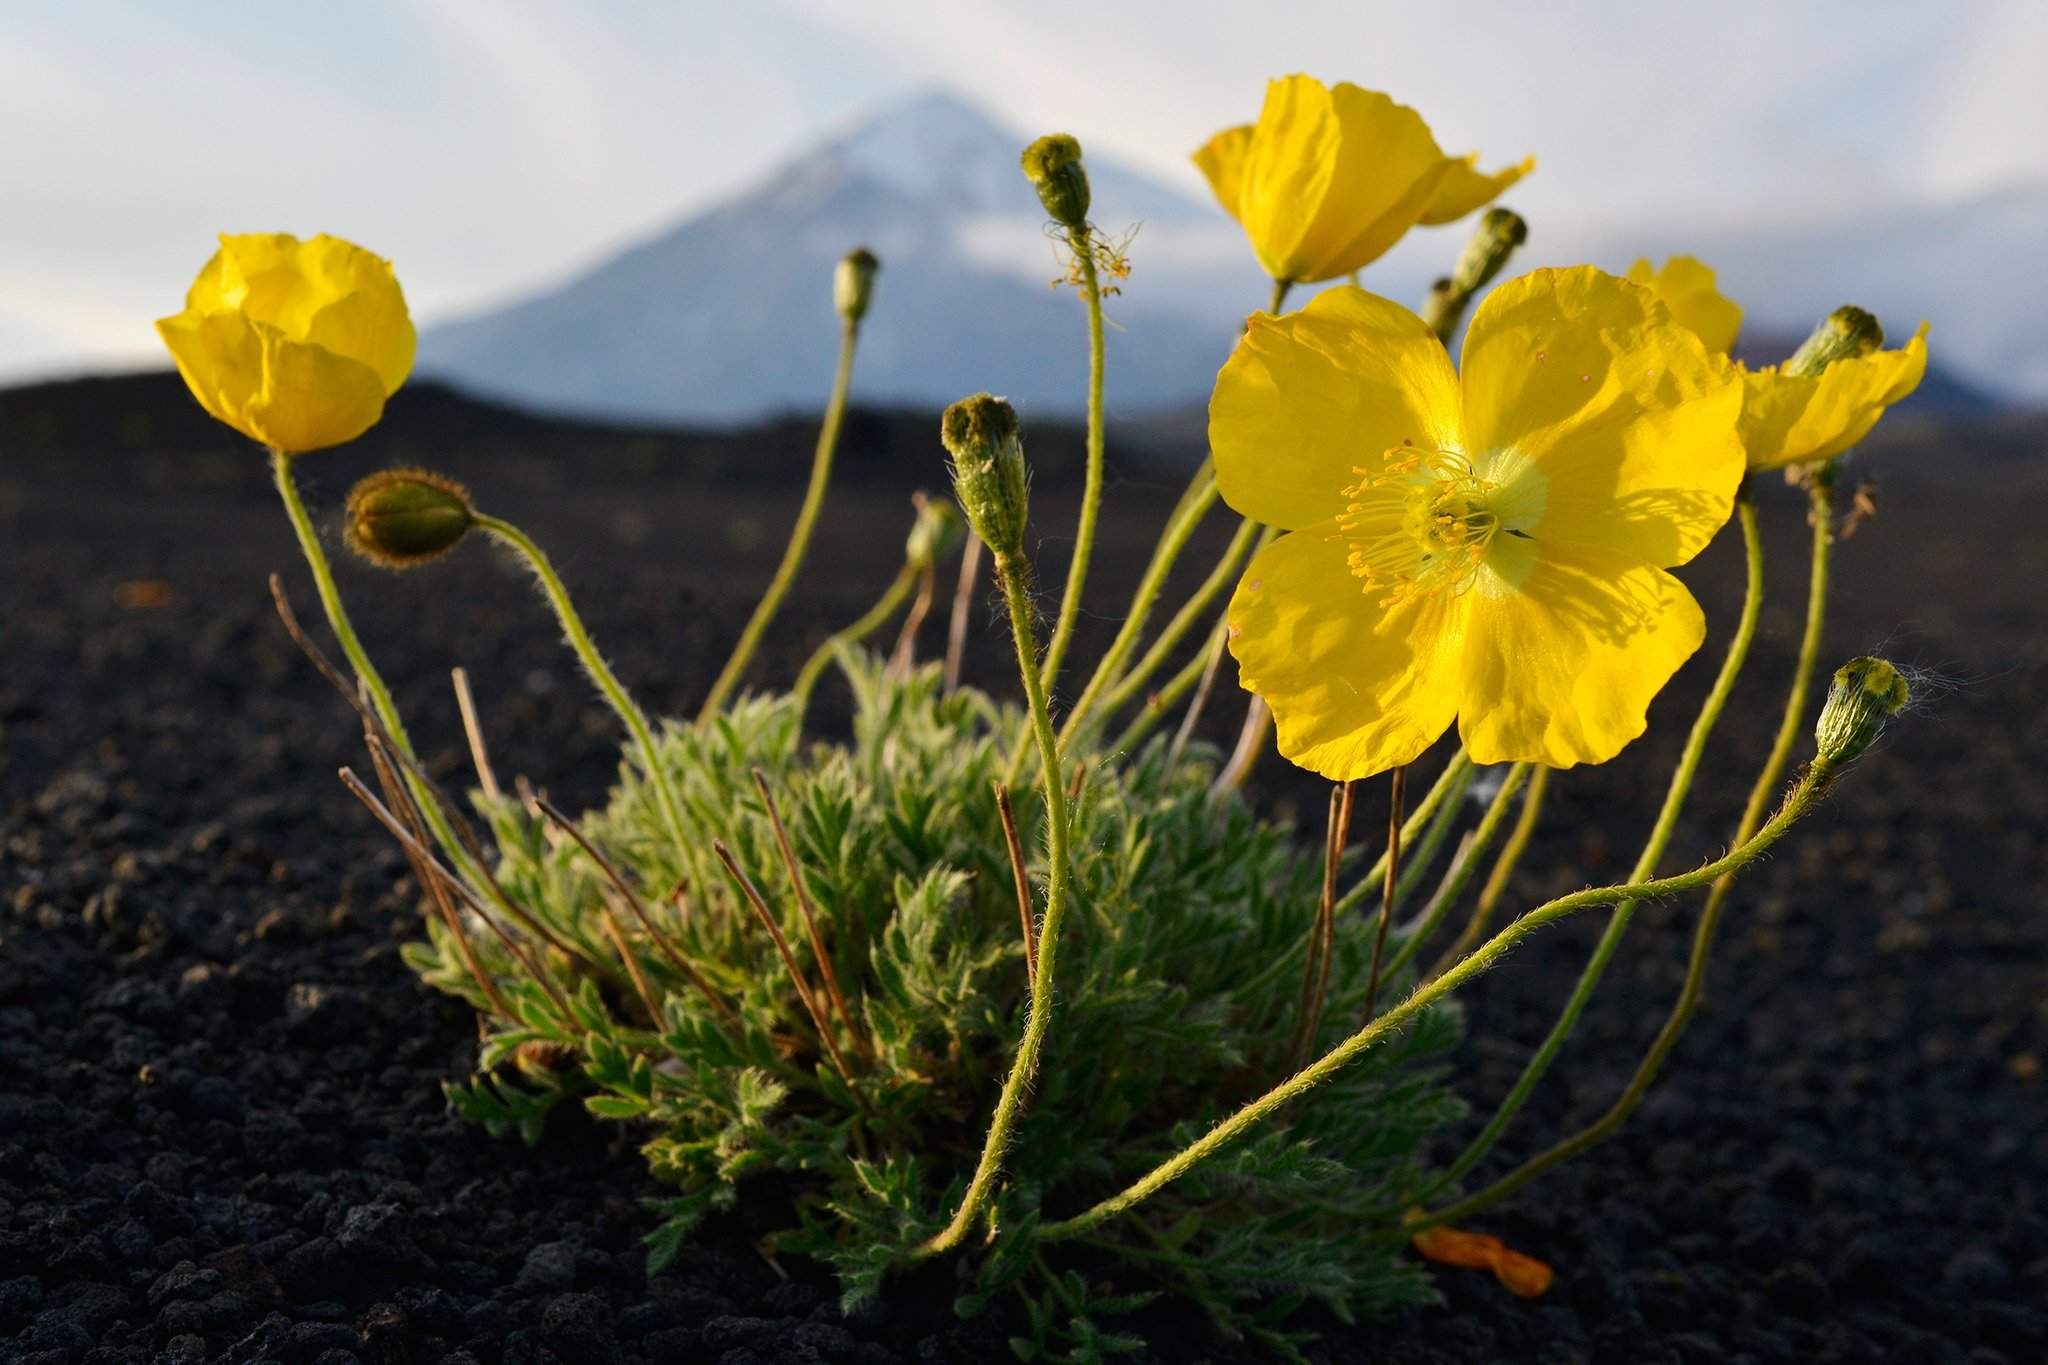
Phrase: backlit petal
pixel 311 398
pixel 1791 419
pixel 1686 286
pixel 220 358
pixel 1606 425
pixel 1222 161
pixel 1355 689
pixel 1465 187
pixel 1307 398
pixel 1560 667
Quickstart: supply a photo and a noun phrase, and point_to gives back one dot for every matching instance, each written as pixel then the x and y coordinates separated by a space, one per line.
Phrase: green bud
pixel 937 531
pixel 853 284
pixel 1844 334
pixel 1865 694
pixel 1053 165
pixel 1495 238
pixel 404 517
pixel 989 475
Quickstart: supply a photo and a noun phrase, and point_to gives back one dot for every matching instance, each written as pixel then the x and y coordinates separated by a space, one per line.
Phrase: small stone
pixel 551 1265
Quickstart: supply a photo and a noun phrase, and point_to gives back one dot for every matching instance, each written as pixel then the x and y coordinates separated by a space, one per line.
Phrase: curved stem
pixel 1459 875
pixel 1091 493
pixel 1010 1104
pixel 1175 630
pixel 600 672
pixel 1811 787
pixel 1162 701
pixel 1653 850
pixel 799 538
pixel 870 621
pixel 1279 301
pixel 359 659
pixel 1703 933
pixel 1503 871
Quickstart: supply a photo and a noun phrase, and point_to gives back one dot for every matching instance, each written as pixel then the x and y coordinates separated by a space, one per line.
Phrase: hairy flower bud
pixel 404 517
pixel 989 475
pixel 936 532
pixel 1865 694
pixel 1053 165
pixel 1499 232
pixel 1844 334
pixel 853 283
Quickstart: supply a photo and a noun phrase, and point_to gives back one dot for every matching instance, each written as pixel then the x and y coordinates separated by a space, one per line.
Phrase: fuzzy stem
pixel 869 622
pixel 1498 879
pixel 1198 668
pixel 1653 850
pixel 1459 875
pixel 799 538
pixel 1812 786
pixel 1171 544
pixel 1793 722
pixel 1193 610
pixel 1016 591
pixel 1091 493
pixel 600 672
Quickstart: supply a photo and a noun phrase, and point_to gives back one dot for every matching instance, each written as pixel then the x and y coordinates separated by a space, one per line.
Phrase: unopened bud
pixel 1053 165
pixel 1499 232
pixel 403 517
pixel 936 532
pixel 853 284
pixel 1865 694
pixel 989 475
pixel 1844 334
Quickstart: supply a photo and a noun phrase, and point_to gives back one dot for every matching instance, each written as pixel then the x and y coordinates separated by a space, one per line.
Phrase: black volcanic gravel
pixel 221 1131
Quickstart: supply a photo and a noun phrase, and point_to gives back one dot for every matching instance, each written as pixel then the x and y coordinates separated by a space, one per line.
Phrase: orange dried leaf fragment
pixel 1523 1275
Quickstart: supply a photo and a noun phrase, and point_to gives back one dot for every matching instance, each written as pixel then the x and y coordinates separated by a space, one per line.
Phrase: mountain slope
pixel 729 315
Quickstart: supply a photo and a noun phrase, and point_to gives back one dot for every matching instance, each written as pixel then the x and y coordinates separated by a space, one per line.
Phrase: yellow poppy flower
pixel 1686 286
pixel 1487 549
pixel 1787 418
pixel 293 344
pixel 1330 177
pixel 1790 419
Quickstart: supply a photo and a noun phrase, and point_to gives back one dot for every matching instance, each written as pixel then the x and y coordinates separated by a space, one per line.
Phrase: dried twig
pixel 470 727
pixel 661 941
pixel 803 989
pixel 1379 938
pixel 803 902
pixel 963 607
pixel 1023 881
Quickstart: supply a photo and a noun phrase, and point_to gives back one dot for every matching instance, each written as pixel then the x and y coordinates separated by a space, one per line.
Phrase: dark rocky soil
pixel 221 1132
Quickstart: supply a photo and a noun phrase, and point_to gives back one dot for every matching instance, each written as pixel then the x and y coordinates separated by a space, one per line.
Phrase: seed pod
pixel 1844 334
pixel 1053 165
pixel 401 518
pixel 989 474
pixel 1865 694
pixel 853 283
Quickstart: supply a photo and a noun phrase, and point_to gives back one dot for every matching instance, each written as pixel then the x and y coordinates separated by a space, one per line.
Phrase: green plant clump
pixel 1178 994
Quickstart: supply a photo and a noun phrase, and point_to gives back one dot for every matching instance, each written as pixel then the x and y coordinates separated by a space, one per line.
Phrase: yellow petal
pixel 1604 424
pixel 1792 419
pixel 324 290
pixel 220 358
pixel 1560 667
pixel 1307 398
pixel 1465 187
pixel 1222 161
pixel 1686 286
pixel 1355 689
pixel 311 398
pixel 1333 177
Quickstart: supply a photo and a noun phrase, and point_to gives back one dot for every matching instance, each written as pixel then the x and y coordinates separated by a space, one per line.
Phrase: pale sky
pixel 490 146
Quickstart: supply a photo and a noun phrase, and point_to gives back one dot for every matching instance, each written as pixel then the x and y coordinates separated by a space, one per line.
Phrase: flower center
pixel 1419 524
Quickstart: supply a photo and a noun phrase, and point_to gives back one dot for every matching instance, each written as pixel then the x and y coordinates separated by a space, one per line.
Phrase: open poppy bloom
pixel 1330 177
pixel 1790 419
pixel 294 344
pixel 1487 549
